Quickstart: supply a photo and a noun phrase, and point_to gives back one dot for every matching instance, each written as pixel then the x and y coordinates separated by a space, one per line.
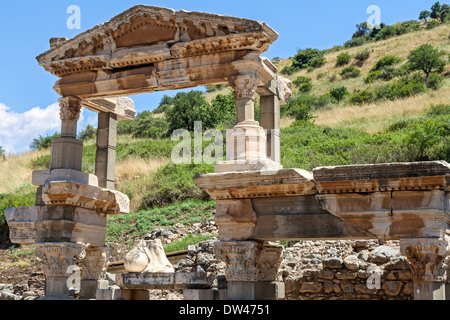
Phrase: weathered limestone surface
pixel 21 222
pixel 146 49
pixel 86 196
pixel 180 281
pixel 148 257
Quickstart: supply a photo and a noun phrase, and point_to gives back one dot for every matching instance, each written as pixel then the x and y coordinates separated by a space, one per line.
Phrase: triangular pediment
pixel 143 29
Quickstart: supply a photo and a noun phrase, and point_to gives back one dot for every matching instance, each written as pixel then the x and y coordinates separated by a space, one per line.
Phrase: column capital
pixel 70 108
pixel 427 257
pixel 94 262
pixel 240 258
pixel 58 257
pixel 244 86
pixel 249 260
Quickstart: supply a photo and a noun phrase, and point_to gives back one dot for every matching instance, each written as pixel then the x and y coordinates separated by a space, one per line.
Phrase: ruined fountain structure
pixel 147 49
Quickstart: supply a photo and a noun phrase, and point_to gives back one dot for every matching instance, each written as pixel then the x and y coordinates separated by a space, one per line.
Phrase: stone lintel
pixel 383 177
pixel 86 196
pixel 21 222
pixel 257 184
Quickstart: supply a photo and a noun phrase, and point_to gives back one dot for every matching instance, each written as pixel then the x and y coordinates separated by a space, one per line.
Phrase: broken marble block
pixel 148 256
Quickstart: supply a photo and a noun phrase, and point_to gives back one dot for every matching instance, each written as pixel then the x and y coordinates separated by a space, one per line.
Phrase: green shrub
pixel 350 72
pixel 362 55
pixel 306 87
pixel 41 162
pixel 434 81
pixel 301 80
pixel 439 110
pixel 318 62
pixel 288 70
pixel 361 97
pixel 372 76
pixel 339 93
pixel 388 60
pixel 432 24
pixel 343 59
pixel 303 112
pixel 304 58
pixel 174 183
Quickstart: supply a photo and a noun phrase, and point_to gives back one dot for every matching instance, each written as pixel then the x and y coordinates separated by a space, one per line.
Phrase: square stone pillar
pixel 67 151
pixel 428 270
pixel 270 121
pixel 247 141
pixel 251 269
pixel 105 162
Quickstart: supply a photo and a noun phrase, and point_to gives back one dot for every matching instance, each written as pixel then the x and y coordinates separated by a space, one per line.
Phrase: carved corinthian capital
pixel 427 257
pixel 58 257
pixel 70 108
pixel 244 86
pixel 240 258
pixel 94 262
pixel 268 262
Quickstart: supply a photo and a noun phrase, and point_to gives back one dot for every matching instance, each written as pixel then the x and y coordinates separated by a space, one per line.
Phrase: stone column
pixel 105 162
pixel 428 270
pixel 251 269
pixel 57 258
pixel 270 121
pixel 67 151
pixel 246 142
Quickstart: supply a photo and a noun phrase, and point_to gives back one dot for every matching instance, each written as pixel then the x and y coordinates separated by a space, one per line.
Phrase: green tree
pixel 41 142
pixel 88 133
pixel 304 58
pixel 2 153
pixel 426 58
pixel 439 11
pixel 424 15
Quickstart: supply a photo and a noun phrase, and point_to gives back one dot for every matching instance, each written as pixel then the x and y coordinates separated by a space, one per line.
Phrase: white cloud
pixel 17 130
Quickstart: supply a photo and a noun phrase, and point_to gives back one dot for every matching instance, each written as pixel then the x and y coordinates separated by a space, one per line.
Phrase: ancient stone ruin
pixel 147 49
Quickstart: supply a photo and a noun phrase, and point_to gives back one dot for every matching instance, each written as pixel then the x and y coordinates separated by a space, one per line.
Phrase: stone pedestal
pixel 428 270
pixel 247 141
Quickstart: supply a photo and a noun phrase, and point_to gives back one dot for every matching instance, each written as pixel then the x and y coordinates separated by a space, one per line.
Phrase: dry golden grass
pixel 374 117
pixel 132 168
pixel 16 172
pixel 134 175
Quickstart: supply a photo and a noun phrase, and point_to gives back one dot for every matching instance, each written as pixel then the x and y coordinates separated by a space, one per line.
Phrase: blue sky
pixel 28 102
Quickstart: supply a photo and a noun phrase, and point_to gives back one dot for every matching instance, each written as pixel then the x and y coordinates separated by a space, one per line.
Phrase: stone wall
pixel 327 270
pixel 346 270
